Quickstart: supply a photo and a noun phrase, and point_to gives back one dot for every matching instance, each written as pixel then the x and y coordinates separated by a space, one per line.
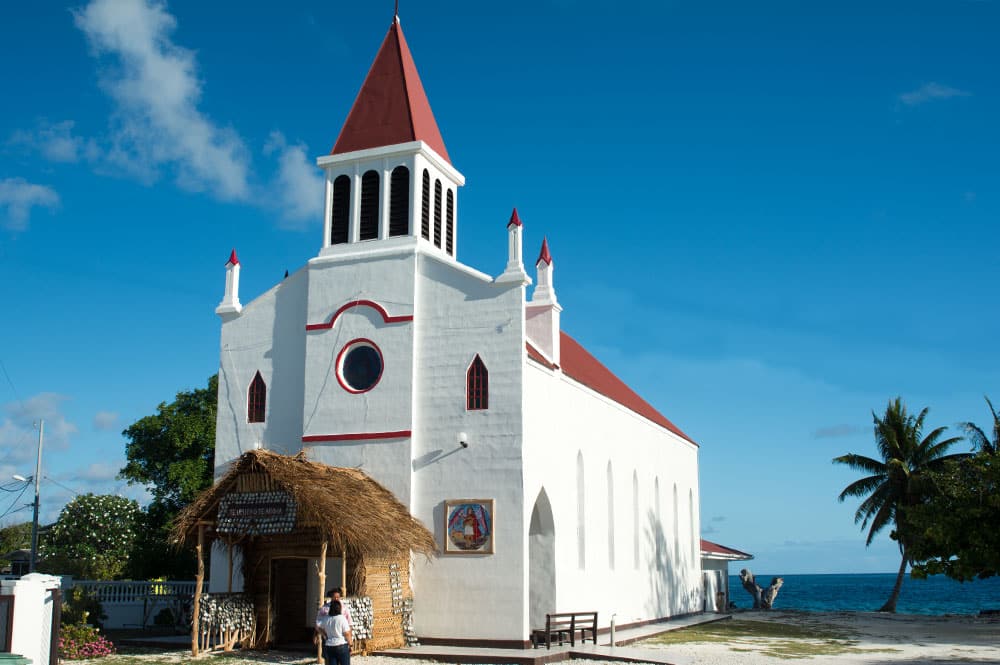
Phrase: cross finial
pixel 395 12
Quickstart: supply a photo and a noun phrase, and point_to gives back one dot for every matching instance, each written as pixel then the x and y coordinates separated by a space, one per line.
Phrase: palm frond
pixel 862 487
pixel 885 515
pixel 861 463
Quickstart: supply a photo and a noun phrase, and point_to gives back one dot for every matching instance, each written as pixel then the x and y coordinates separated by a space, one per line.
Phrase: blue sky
pixel 769 219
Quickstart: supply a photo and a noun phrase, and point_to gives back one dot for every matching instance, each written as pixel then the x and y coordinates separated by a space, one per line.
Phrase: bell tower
pixel 389 176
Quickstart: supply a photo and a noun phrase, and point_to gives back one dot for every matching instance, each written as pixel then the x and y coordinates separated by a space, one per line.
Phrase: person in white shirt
pixel 337 646
pixel 324 610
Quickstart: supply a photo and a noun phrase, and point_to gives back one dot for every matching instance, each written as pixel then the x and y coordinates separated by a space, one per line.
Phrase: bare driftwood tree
pixel 763 599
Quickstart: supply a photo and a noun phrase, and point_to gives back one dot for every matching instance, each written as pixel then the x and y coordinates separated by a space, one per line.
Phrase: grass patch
pixel 771 638
pixel 723 631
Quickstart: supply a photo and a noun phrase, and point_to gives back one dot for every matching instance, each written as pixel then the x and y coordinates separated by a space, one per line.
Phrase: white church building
pixel 550 485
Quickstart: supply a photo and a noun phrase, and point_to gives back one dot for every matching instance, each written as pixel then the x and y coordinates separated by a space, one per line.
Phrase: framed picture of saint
pixel 468 526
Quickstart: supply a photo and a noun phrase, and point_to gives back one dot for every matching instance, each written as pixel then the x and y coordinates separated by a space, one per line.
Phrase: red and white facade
pixel 369 353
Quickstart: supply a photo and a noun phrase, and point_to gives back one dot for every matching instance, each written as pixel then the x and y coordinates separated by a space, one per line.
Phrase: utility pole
pixel 38 480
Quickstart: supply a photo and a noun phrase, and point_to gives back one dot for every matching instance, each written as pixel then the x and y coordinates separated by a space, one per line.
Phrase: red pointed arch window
pixel 256 399
pixel 477 386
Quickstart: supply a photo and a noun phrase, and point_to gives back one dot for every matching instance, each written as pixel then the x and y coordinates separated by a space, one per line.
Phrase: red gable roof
pixel 579 365
pixel 391 107
pixel 708 547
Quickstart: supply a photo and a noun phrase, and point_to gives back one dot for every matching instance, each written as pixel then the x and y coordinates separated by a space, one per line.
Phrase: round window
pixel 360 366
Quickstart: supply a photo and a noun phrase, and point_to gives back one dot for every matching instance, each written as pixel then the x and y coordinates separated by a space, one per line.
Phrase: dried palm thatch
pixel 345 505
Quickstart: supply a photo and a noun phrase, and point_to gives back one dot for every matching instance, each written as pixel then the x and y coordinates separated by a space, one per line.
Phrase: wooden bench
pixel 563 626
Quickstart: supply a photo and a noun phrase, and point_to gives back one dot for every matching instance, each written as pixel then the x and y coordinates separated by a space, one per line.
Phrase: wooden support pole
pixel 343 572
pixel 198 580
pixel 322 595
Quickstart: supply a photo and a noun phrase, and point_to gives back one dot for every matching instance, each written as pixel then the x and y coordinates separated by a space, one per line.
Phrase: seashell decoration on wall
pixel 362 616
pixel 256 513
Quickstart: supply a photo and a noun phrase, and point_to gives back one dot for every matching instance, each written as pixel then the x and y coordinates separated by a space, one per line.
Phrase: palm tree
pixel 981 442
pixel 894 481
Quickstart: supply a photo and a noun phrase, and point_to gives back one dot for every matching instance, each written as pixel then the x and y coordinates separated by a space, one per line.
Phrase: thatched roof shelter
pixel 345 505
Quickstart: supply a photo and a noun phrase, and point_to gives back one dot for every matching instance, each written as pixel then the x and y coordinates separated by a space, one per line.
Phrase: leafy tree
pixel 978 437
pixel 953 531
pixel 15 537
pixel 93 537
pixel 173 453
pixel 896 480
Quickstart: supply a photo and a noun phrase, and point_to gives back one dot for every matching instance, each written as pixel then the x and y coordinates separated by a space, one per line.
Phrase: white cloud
pixel 929 92
pixel 19 436
pixel 105 420
pixel 155 86
pixel 18 197
pixel 57 143
pixel 299 185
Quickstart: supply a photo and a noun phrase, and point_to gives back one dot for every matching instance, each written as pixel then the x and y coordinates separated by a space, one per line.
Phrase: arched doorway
pixel 541 562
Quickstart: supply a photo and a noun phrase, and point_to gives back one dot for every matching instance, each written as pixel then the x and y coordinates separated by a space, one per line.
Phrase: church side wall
pixel 640 560
pixel 459 315
pixel 267 337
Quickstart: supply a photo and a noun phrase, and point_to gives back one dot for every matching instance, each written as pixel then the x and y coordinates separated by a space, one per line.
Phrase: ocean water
pixel 867 593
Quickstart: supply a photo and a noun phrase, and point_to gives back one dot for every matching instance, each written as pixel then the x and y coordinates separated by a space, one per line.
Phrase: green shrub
pixel 80 607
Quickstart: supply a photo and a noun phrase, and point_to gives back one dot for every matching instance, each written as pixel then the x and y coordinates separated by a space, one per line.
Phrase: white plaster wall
pixel 459 314
pixel 268 336
pixel 32 630
pixel 328 409
pixel 563 418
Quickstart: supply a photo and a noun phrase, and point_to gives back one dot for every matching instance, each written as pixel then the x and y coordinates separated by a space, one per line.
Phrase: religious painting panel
pixel 469 526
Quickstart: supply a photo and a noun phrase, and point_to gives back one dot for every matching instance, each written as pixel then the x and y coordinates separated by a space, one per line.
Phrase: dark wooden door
pixel 288 586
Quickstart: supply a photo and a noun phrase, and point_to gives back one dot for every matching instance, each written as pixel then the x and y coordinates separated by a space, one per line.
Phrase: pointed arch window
pixel 368 228
pixel 256 399
pixel 399 202
pixel 581 514
pixel 477 386
pixel 449 223
pixel 425 206
pixel 340 210
pixel 635 519
pixel 611 517
pixel 437 213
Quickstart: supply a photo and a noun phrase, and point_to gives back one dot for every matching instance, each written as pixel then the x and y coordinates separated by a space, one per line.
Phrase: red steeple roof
pixel 544 255
pixel 514 219
pixel 391 106
pixel 232 258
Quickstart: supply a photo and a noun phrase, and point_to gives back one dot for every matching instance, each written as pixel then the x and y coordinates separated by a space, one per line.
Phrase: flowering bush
pixel 92 538
pixel 78 641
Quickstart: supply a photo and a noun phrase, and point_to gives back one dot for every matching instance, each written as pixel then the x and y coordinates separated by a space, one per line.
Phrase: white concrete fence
pixel 135 604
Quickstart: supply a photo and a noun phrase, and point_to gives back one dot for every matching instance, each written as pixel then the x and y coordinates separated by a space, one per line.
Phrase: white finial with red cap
pixel 514 272
pixel 544 292
pixel 230 306
pixel 542 312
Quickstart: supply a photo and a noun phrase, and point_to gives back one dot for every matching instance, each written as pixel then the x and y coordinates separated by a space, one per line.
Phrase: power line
pixel 56 482
pixel 13 503
pixel 11 383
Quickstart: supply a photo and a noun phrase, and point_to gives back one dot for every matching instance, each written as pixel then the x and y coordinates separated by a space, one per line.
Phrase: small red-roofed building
pixel 550 484
pixel 715 560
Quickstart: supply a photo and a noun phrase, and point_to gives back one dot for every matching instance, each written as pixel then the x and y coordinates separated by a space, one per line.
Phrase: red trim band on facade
pixel 360 436
pixel 359 303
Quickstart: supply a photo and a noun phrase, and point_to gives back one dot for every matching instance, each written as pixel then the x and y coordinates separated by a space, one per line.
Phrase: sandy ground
pixel 860 639
pixel 867 639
